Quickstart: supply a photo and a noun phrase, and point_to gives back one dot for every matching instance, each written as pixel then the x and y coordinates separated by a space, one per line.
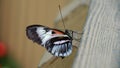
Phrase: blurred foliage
pixel 8 62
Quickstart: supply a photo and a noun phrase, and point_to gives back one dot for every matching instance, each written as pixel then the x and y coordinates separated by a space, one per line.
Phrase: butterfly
pixel 56 42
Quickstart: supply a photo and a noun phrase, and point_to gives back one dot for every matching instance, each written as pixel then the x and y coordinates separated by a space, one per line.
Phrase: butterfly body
pixel 57 42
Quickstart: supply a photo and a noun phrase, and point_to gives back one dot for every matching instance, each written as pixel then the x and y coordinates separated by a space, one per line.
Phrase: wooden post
pixel 100 44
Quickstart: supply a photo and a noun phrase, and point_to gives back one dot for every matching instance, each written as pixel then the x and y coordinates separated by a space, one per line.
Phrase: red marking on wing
pixel 57 32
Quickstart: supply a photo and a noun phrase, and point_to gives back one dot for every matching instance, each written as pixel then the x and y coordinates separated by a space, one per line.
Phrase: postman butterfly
pixel 57 42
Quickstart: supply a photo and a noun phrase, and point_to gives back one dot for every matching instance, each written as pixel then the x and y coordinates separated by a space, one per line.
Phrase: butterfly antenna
pixel 61 16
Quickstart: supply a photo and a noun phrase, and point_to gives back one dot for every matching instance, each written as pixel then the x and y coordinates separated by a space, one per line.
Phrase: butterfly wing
pixel 55 41
pixel 59 46
pixel 32 34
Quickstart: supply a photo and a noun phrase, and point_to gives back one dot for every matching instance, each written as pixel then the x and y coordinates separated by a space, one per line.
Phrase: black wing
pixel 32 34
pixel 59 46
